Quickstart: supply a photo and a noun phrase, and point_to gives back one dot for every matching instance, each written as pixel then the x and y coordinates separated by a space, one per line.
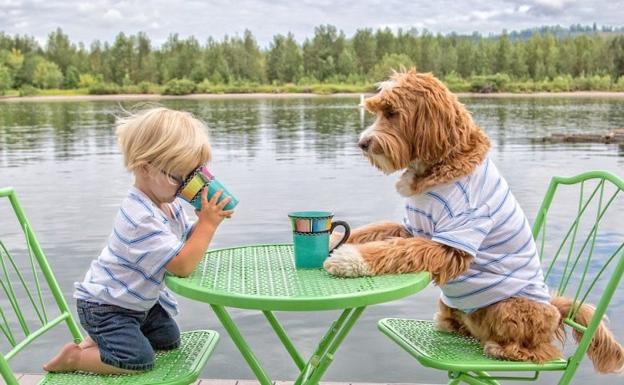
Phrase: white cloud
pixel 103 19
pixel 86 7
pixel 553 4
pixel 484 15
pixel 10 4
pixel 112 16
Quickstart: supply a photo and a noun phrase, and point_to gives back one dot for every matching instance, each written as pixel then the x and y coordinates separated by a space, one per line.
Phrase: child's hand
pixel 212 212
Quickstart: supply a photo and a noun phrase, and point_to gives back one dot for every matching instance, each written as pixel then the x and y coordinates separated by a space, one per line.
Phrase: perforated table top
pixel 264 277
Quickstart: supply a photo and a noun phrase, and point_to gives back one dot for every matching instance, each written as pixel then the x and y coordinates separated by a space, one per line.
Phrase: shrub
pixel 145 87
pixel 28 90
pixel 104 88
pixel 87 80
pixel 456 83
pixel 489 83
pixel 204 87
pixel 619 85
pixel 179 87
pixel 561 84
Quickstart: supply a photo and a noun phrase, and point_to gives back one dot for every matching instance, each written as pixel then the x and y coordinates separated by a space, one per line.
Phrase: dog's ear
pixel 442 125
pixel 377 103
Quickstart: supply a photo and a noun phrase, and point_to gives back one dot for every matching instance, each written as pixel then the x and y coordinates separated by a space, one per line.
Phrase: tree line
pixel 132 63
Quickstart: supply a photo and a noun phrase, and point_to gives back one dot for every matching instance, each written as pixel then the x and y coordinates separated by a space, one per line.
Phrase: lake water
pixel 276 155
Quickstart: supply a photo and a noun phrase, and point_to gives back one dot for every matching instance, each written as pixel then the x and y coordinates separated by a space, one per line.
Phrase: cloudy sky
pixel 102 19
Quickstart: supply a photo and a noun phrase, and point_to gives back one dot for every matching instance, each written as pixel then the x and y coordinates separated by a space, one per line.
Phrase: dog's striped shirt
pixel 479 215
pixel 130 269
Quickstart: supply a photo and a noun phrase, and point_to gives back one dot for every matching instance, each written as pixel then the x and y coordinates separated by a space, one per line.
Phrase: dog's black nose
pixel 364 143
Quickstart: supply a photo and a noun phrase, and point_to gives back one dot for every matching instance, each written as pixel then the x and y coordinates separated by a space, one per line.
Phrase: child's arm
pixel 209 218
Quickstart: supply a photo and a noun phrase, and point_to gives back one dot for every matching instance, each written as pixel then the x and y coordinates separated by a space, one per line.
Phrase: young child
pixel 122 302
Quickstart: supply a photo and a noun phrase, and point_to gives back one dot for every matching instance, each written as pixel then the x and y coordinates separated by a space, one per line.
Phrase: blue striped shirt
pixel 478 214
pixel 129 271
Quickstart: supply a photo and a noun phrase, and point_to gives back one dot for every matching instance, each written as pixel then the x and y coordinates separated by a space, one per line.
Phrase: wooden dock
pixel 33 379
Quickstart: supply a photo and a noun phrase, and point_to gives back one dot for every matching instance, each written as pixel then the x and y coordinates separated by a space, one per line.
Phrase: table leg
pixel 281 333
pixel 324 354
pixel 240 343
pixel 313 370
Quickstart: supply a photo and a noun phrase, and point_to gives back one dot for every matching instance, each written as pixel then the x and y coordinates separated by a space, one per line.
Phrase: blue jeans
pixel 127 338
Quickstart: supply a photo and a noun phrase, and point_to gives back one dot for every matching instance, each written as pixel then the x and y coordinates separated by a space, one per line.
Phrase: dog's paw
pixel 346 261
pixel 404 184
pixel 494 350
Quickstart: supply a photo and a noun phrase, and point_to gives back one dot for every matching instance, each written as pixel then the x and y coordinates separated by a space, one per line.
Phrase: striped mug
pixel 311 231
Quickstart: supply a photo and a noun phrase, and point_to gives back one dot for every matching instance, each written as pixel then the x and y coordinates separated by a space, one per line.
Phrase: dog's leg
pixel 398 255
pixel 377 231
pixel 517 329
pixel 514 351
pixel 448 320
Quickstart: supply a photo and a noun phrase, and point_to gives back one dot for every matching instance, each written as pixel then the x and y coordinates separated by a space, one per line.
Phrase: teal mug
pixel 311 231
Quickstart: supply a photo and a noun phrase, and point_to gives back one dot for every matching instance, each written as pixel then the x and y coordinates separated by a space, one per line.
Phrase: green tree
pixel 179 57
pixel 320 55
pixel 218 70
pixel 284 59
pixel 47 75
pixel 365 46
pixel 535 64
pixel 428 52
pixel 550 55
pixel 407 43
pixel 390 63
pixel 5 79
pixel 72 77
pixel 617 48
pixel 120 58
pixel 14 60
pixel 385 43
pixel 447 61
pixel 465 57
pixel 502 61
pixel 60 50
pixel 244 58
pixel 144 66
pixel 347 62
pixel 518 66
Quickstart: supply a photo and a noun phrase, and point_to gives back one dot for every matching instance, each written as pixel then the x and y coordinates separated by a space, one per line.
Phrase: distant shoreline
pixel 138 97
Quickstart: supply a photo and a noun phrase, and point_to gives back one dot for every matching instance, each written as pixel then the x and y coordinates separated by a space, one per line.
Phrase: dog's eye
pixel 389 113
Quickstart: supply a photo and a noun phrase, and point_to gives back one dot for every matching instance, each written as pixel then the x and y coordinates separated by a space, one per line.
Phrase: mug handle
pixel 347 233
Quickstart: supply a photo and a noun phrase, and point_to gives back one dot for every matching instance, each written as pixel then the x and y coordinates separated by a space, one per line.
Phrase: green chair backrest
pixel 584 259
pixel 23 313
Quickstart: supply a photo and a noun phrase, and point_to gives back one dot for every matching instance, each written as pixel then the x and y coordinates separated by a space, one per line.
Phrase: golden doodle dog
pixel 462 225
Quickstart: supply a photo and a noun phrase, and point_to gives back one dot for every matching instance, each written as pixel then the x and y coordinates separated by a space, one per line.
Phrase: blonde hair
pixel 172 141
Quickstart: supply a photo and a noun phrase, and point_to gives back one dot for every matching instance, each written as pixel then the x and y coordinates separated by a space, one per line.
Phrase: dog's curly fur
pixel 422 128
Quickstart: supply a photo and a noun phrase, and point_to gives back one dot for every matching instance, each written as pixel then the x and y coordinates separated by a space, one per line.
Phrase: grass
pixel 477 84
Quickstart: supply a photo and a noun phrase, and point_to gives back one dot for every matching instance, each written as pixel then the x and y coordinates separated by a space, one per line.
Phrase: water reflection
pixel 279 155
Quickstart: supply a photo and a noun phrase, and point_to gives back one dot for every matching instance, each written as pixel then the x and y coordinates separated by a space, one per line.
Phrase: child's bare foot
pixel 65 360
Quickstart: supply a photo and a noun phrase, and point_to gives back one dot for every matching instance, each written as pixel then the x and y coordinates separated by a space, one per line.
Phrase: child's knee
pixel 161 329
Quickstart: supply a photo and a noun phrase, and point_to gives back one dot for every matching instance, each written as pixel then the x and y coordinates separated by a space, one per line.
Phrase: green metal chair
pixel 572 269
pixel 25 309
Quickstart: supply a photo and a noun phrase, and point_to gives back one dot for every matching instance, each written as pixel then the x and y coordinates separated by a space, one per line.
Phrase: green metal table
pixel 264 277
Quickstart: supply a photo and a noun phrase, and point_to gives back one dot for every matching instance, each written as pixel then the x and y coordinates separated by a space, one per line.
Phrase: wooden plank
pixel 30 379
pixel 217 382
pixel 33 379
pixel 320 383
